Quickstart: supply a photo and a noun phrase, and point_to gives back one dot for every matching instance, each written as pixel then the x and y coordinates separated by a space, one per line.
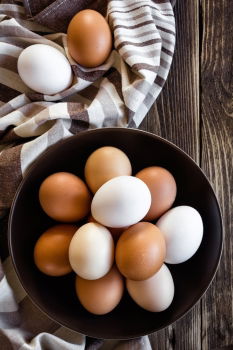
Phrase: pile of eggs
pixel 46 69
pixel 107 233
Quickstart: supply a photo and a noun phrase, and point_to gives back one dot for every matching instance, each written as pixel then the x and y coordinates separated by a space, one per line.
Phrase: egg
pixel 121 201
pixel 154 294
pixel 104 164
pixel 140 251
pixel 89 38
pixel 91 251
pixel 102 295
pixel 64 197
pixel 51 250
pixel 44 69
pixel 182 228
pixel 162 186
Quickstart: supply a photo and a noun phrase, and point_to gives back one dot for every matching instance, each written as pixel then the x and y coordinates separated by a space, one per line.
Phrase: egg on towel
pixel 104 164
pixel 91 251
pixel 140 251
pixel 64 197
pixel 182 228
pixel 89 38
pixel 44 69
pixel 102 295
pixel 154 294
pixel 121 201
pixel 162 186
pixel 51 250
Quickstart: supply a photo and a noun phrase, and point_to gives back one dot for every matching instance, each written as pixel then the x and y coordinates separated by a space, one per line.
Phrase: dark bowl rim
pixel 107 129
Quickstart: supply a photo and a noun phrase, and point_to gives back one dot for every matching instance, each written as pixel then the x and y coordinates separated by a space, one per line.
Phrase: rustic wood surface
pixel 195 112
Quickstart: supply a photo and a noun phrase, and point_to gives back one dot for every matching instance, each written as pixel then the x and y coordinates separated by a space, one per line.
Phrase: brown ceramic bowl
pixel 56 295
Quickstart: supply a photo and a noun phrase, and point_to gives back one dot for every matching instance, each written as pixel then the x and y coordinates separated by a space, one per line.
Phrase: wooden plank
pixel 216 160
pixel 176 117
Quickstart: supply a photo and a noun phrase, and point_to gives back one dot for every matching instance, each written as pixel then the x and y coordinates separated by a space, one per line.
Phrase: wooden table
pixel 195 112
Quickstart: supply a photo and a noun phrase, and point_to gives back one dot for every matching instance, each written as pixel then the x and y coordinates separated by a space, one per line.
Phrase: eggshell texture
pixel 103 295
pixel 51 250
pixel 64 197
pixel 44 69
pixel 154 294
pixel 104 164
pixel 140 251
pixel 89 38
pixel 162 186
pixel 122 201
pixel 91 251
pixel 182 228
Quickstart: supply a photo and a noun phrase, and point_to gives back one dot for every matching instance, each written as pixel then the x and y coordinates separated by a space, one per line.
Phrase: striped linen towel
pixel 118 93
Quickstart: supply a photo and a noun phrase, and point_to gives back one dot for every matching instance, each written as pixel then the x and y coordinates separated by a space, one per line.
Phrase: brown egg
pixel 104 164
pixel 103 295
pixel 65 197
pixel 162 186
pixel 89 38
pixel 140 251
pixel 115 231
pixel 51 250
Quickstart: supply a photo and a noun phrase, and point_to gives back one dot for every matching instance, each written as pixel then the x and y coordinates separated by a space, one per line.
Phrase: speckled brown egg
pixel 51 250
pixel 102 295
pixel 64 197
pixel 89 38
pixel 162 186
pixel 104 164
pixel 140 251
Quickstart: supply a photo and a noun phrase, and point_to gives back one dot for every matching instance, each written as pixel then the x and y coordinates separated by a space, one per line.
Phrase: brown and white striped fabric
pixel 118 93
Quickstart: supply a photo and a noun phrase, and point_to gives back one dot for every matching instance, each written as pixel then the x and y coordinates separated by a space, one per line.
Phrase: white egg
pixel 154 294
pixel 91 251
pixel 44 69
pixel 183 231
pixel 121 201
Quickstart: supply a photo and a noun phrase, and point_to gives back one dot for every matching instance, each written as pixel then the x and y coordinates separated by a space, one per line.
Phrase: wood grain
pixel 195 112
pixel 176 117
pixel 216 160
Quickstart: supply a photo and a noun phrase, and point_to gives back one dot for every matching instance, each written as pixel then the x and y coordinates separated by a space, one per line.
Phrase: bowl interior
pixel 56 295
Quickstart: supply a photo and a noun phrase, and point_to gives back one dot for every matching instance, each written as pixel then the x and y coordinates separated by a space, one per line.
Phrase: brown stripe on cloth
pixel 19 42
pixel 79 116
pixel 89 93
pixel 161 1
pixel 166 30
pixel 134 26
pixel 7 94
pixel 8 62
pixel 168 52
pixel 87 75
pixel 13 14
pixel 16 31
pixel 1 271
pixel 159 81
pixel 5 342
pixel 10 319
pixel 9 136
pixel 58 14
pixel 33 320
pixel 10 175
pixel 139 66
pixel 145 43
